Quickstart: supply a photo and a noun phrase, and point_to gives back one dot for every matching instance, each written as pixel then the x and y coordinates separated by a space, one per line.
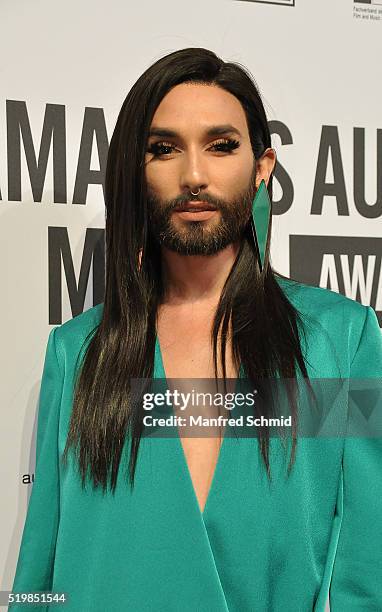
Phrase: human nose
pixel 194 174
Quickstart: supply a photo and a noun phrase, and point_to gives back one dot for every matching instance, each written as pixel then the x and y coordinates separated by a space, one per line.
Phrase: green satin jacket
pixel 256 547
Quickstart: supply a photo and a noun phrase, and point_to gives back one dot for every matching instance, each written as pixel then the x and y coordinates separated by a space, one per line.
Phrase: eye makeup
pixel 225 145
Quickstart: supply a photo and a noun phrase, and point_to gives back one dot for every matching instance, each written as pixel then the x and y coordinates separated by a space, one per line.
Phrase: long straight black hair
pixel 266 327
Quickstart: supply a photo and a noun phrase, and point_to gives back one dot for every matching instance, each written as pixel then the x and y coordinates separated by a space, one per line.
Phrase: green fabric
pixel 258 547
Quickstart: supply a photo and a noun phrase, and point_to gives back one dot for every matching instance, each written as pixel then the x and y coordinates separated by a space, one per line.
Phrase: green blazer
pixel 257 547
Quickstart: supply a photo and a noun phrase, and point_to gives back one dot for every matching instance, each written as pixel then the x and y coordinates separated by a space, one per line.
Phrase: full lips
pixel 197 215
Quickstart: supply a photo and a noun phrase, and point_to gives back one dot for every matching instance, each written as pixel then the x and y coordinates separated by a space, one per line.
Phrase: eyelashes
pixel 226 145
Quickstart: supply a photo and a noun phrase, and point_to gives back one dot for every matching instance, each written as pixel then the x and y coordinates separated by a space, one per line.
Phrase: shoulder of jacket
pixel 74 332
pixel 327 312
pixel 316 300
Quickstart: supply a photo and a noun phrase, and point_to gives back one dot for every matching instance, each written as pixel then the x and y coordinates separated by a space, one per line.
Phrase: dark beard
pixel 195 237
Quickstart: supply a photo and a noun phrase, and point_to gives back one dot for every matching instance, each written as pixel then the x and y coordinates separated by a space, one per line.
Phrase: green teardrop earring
pixel 261 212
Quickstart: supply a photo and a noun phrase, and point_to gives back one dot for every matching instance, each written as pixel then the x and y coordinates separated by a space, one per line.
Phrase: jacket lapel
pixel 187 520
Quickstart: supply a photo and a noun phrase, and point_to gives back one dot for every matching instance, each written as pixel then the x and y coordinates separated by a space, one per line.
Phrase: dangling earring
pixel 261 211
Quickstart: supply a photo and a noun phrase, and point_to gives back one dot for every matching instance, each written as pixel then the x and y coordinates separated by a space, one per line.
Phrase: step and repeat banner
pixel 65 71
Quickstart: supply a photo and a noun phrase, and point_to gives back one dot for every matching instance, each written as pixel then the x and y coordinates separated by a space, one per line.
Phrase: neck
pixel 196 279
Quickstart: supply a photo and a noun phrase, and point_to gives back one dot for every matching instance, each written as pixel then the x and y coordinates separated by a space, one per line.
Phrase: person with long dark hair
pixel 120 519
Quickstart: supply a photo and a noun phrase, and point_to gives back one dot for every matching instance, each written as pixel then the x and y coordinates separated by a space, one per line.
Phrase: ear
pixel 265 166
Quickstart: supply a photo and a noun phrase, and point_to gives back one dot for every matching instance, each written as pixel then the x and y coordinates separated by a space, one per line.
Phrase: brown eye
pixel 226 146
pixel 160 148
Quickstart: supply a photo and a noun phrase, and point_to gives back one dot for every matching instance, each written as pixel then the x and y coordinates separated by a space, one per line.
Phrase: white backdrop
pixel 318 68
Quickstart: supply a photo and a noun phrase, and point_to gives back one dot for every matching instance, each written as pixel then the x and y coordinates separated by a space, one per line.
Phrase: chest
pixel 186 351
pixel 186 346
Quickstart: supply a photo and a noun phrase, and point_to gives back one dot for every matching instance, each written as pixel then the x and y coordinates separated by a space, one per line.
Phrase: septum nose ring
pixel 195 194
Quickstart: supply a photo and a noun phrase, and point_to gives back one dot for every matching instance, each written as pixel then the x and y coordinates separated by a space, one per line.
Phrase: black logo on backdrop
pixel 92 265
pixel 281 2
pixel 53 142
pixel 351 266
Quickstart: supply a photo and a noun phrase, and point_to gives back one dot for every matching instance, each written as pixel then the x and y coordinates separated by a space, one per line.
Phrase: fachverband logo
pixel 349 265
pixel 367 10
pixel 281 2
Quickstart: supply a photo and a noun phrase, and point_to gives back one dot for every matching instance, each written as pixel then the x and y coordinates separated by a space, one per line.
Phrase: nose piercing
pixel 195 194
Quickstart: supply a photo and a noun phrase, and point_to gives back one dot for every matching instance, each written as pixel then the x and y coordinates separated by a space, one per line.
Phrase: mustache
pixel 244 198
pixel 173 204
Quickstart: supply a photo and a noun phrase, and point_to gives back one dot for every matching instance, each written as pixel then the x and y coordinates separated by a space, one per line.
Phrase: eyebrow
pixel 214 130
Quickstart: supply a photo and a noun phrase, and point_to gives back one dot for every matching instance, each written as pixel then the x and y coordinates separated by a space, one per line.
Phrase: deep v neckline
pixel 179 447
